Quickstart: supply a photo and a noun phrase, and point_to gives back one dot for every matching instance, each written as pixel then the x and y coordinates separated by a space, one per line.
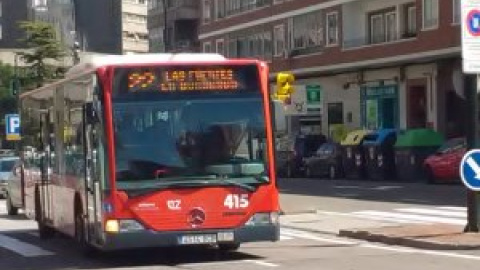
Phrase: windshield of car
pixel 452 145
pixel 178 137
pixel 6 165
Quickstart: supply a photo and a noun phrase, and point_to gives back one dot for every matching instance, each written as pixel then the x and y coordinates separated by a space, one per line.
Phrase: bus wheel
pixel 228 247
pixel 81 238
pixel 11 210
pixel 44 231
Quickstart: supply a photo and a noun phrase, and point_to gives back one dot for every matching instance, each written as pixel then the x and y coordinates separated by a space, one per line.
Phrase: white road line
pixel 453 208
pixel 310 236
pixel 394 216
pixel 262 263
pixel 22 248
pixel 376 218
pixel 284 237
pixel 434 212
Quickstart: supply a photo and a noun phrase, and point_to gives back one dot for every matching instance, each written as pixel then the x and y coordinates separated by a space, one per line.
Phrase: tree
pixel 7 101
pixel 41 39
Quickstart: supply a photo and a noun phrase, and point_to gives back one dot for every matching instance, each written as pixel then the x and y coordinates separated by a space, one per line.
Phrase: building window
pixel 457 11
pixel 332 28
pixel 377 30
pixel 219 46
pixel 207 11
pixel 307 31
pixel 411 21
pixel 279 40
pixel 430 14
pixel 239 6
pixel 207 47
pixel 391 26
pixel 255 44
pixel 220 9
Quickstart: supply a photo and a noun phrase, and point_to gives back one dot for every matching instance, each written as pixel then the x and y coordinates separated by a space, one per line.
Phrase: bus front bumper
pixel 148 238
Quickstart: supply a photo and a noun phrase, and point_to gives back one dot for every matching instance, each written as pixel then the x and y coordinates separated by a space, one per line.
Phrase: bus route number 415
pixel 236 201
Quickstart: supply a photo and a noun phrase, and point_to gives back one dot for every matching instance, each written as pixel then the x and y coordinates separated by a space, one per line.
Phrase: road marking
pixel 453 208
pixel 376 218
pixel 262 263
pixel 412 217
pixel 305 235
pixel 22 248
pixel 434 212
pixel 225 263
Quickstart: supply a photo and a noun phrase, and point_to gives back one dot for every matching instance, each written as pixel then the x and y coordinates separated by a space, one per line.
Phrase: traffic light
pixel 14 86
pixel 284 86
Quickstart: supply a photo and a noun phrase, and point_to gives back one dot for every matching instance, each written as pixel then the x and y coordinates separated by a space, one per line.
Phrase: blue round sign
pixel 470 169
pixel 473 22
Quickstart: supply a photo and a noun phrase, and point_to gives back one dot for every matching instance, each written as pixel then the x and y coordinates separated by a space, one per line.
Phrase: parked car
pixel 303 147
pixel 326 161
pixel 6 169
pixel 444 165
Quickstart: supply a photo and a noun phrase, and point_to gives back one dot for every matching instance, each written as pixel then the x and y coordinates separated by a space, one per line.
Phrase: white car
pixel 6 173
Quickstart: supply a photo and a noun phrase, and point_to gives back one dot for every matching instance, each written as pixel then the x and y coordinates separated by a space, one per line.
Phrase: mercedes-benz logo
pixel 196 217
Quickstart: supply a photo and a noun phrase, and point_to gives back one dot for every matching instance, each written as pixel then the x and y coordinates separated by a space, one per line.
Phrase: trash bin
pixel 353 157
pixel 413 146
pixel 380 154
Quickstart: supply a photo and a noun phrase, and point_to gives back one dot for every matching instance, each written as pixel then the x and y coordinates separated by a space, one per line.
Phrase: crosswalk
pixel 417 215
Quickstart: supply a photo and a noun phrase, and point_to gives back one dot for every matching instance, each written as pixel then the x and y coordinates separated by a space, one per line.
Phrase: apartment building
pixel 181 18
pixel 134 26
pixel 361 63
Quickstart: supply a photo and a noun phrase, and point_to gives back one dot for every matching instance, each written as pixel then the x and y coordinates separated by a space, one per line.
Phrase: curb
pixel 405 241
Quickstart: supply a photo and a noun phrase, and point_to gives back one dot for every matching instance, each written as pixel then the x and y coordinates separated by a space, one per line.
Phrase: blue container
pixel 379 149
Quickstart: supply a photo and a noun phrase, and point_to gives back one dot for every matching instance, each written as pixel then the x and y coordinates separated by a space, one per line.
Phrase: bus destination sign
pixel 182 78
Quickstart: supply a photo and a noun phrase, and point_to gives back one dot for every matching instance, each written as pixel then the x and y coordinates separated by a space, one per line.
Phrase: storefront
pixel 379 106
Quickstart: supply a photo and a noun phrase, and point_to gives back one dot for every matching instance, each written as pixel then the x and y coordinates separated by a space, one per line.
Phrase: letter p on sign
pixel 12 127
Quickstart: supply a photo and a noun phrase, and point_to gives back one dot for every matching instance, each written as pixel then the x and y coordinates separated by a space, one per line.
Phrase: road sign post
pixel 471 65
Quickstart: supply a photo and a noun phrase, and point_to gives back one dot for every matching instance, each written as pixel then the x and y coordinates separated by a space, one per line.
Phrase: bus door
pixel 46 168
pixel 93 174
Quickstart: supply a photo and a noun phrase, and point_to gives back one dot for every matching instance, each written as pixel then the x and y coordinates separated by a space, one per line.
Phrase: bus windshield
pixel 190 136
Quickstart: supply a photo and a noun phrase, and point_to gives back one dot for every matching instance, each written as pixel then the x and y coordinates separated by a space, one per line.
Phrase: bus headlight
pixel 263 219
pixel 123 225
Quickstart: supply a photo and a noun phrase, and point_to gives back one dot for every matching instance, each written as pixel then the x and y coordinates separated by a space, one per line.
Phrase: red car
pixel 443 166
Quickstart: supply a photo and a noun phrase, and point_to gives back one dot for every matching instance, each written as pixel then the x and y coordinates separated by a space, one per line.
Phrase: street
pixel 327 205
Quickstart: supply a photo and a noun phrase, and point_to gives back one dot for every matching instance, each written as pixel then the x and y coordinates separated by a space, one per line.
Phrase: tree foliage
pixel 41 40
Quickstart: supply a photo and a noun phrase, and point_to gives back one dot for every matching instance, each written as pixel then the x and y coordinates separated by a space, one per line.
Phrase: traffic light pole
pixel 472 90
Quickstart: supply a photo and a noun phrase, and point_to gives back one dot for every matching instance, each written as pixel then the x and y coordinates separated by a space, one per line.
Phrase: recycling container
pixel 412 147
pixel 380 154
pixel 353 156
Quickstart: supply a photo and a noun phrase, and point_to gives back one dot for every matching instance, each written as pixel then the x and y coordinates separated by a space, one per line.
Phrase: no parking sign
pixel 471 36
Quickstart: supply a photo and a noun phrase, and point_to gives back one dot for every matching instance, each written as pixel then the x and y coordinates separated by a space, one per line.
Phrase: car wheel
pixel 11 210
pixel 332 172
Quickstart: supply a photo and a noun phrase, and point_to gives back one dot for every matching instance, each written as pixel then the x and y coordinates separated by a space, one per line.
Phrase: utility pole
pixel 165 32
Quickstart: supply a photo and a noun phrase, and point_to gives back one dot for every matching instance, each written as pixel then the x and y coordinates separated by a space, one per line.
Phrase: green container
pixel 419 137
pixel 411 149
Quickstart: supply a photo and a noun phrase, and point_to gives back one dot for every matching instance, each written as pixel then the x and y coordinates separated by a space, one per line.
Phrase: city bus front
pixel 192 156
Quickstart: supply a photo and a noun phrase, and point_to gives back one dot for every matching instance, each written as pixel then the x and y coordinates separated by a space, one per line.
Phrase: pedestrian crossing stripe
pixel 445 215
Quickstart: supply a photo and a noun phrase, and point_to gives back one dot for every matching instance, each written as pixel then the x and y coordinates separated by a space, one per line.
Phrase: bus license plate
pixel 197 239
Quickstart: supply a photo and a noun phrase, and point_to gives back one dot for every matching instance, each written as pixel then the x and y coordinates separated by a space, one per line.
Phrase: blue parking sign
pixel 12 126
pixel 470 169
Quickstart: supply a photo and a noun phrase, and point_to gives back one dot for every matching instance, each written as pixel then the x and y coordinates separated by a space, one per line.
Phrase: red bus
pixel 152 150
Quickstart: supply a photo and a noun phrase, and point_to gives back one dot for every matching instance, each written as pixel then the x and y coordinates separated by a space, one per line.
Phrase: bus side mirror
pixel 279 118
pixel 91 116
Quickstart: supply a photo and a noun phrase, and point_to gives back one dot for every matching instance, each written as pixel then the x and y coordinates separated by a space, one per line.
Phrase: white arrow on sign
pixel 473 164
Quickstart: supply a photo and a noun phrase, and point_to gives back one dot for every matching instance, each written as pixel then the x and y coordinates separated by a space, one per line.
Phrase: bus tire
pixel 228 247
pixel 87 249
pixel 44 231
pixel 11 210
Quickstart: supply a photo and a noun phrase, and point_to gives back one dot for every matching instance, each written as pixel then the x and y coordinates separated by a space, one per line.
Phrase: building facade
pixel 134 26
pixel 359 63
pixel 182 23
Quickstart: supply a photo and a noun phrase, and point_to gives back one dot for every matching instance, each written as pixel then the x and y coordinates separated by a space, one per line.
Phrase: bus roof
pixel 150 58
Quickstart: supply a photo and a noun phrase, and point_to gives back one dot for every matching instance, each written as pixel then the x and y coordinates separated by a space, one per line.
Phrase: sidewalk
pixel 427 236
